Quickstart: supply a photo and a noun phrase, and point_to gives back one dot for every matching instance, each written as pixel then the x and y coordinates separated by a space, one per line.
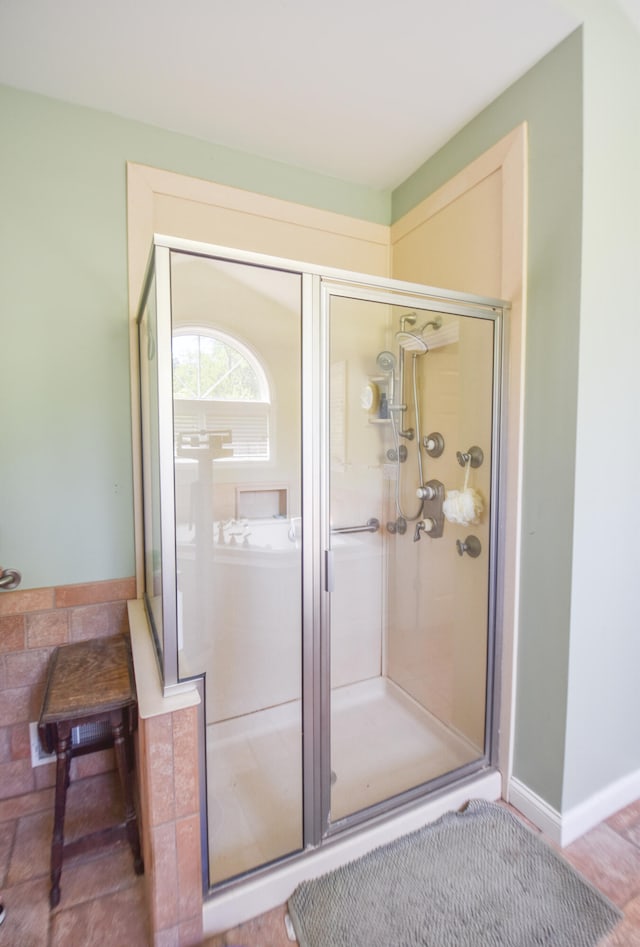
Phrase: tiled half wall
pixel 32 623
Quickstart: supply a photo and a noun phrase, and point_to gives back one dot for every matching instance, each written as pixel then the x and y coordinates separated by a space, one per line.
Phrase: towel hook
pixel 9 579
pixel 471 545
pixel 474 457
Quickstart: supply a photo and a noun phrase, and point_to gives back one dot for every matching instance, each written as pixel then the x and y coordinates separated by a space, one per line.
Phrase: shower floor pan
pixel 383 742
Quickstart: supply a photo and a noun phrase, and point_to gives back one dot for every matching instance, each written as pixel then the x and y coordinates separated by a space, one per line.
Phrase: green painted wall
pixel 549 99
pixel 65 441
pixel 603 722
pixel 65 468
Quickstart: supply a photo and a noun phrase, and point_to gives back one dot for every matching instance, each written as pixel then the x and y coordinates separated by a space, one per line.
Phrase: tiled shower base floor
pixel 383 742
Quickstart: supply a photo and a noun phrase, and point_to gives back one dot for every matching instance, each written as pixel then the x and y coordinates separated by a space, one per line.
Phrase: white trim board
pixel 564 828
pixel 544 816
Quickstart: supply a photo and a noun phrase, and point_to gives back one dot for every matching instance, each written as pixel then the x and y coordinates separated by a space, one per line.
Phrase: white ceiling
pixel 363 90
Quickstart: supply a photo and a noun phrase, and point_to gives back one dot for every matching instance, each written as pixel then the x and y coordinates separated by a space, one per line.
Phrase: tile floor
pixel 102 902
pixel 608 856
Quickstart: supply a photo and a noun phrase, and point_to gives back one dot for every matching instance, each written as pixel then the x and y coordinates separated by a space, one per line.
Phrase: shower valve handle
pixel 425 525
pixel 426 492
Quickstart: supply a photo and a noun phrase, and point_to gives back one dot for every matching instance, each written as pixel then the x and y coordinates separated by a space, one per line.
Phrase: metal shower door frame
pixel 426 299
pixel 319 285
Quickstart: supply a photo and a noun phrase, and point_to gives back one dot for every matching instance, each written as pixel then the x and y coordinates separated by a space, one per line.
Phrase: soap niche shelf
pixel 375 396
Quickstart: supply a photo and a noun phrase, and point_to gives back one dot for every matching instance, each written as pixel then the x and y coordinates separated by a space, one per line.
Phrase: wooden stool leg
pixel 117 729
pixel 63 761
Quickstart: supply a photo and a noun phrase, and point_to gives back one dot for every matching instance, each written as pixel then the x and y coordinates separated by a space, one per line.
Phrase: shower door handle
pixel 329 579
pixel 371 526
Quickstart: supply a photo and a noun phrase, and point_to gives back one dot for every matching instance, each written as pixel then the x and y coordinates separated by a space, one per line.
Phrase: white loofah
pixel 463 506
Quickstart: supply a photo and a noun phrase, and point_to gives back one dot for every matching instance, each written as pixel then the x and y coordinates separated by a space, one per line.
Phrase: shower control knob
pixel 471 546
pixel 426 492
pixel 433 444
pixel 399 455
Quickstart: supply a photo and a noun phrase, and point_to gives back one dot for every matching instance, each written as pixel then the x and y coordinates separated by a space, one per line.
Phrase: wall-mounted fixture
pixel 9 579
pixel 371 526
pixel 471 545
pixel 433 444
pixel 432 496
pixel 474 457
pixel 399 455
pixel 397 526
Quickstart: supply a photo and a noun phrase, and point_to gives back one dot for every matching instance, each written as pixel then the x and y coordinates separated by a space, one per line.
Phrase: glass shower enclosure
pixel 320 492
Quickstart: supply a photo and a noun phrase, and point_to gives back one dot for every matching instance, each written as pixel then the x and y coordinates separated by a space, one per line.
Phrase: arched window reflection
pixel 220 386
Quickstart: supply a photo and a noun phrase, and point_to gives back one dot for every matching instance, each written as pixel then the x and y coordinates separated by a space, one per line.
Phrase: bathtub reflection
pixel 241 621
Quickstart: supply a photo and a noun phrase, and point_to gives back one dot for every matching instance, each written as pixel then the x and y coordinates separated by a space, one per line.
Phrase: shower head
pixel 412 342
pixel 386 361
pixel 433 324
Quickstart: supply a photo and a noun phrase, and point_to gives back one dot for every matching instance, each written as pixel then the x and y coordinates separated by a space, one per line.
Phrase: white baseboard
pixel 600 806
pixel 547 819
pixel 564 828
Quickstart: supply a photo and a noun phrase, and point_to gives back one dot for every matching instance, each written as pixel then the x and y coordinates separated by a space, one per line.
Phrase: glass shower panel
pixel 150 415
pixel 409 602
pixel 236 352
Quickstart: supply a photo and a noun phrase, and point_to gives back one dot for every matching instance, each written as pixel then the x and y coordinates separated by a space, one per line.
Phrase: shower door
pixel 411 409
pixel 320 459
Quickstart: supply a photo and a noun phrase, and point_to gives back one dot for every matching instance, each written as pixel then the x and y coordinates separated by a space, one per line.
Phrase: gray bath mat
pixel 478 878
